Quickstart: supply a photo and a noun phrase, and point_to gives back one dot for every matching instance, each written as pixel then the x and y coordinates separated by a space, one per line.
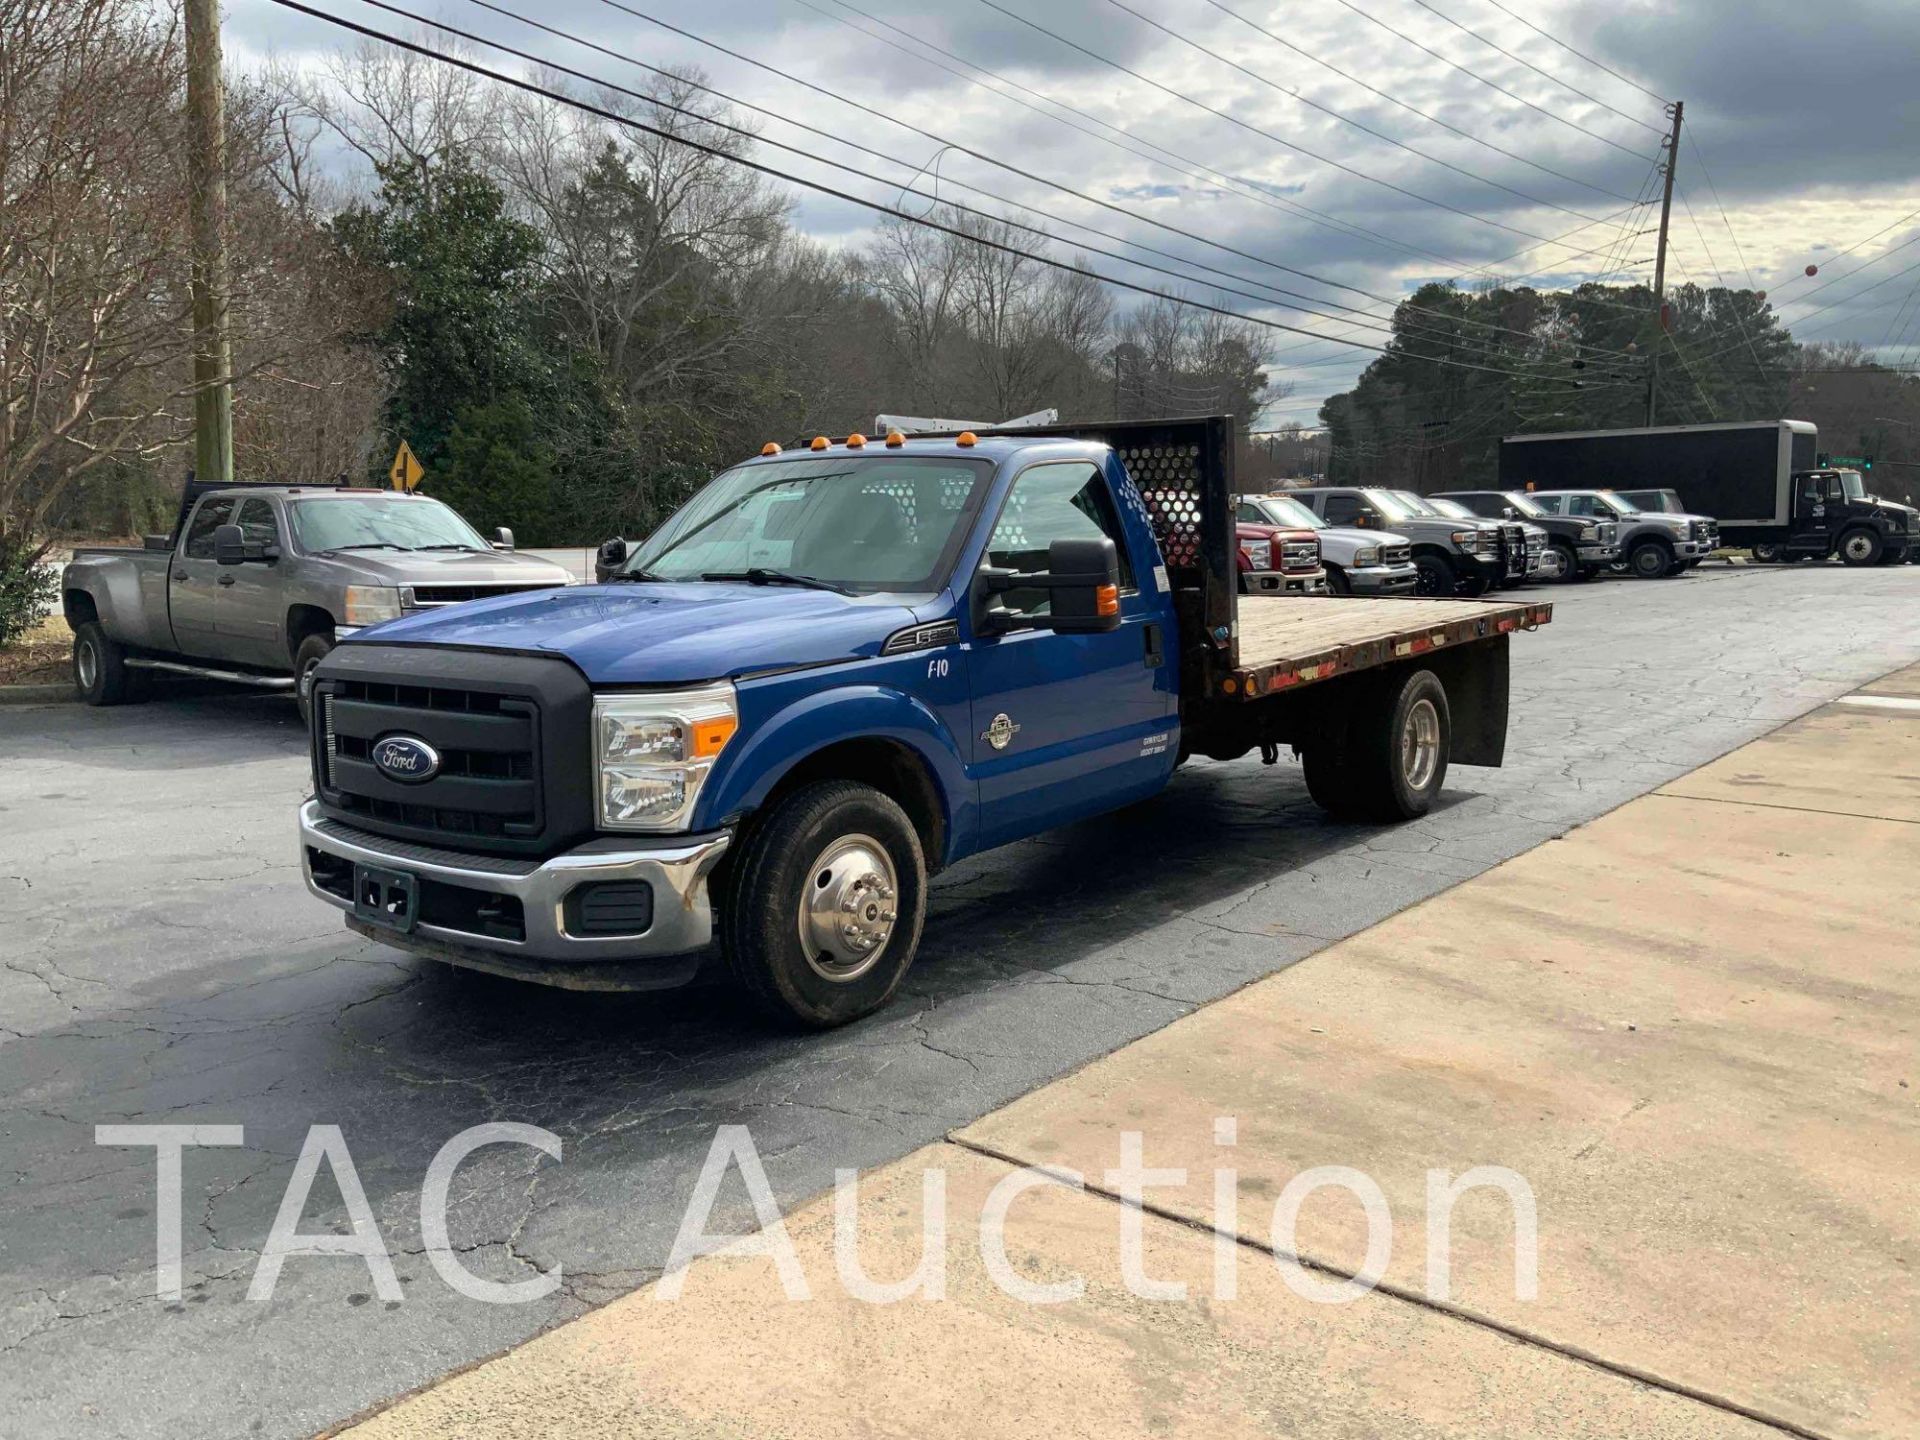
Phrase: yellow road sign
pixel 406 470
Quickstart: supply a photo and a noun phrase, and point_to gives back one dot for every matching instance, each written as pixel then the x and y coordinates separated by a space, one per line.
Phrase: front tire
pixel 306 660
pixel 1434 577
pixel 1651 560
pixel 1337 582
pixel 99 667
pixel 1391 761
pixel 824 905
pixel 1860 547
pixel 1767 554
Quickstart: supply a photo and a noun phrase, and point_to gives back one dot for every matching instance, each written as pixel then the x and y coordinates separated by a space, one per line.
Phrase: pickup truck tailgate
pixel 1289 641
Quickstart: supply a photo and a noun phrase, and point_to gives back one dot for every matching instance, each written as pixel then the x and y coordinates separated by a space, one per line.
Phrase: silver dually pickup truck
pixel 256 582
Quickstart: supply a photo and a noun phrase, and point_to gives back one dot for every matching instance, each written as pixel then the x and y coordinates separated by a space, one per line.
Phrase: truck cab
pixel 1832 514
pixel 835 671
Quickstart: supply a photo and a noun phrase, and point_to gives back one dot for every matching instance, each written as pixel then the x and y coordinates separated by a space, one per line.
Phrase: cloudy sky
pixel 1343 150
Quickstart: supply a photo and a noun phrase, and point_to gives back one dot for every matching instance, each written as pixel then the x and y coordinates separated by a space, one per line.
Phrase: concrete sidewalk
pixel 1692 1027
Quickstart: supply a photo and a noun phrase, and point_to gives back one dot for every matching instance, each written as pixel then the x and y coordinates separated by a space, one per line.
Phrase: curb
pixel 51 693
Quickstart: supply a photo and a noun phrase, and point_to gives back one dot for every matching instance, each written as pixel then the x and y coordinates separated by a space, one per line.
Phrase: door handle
pixel 179 577
pixel 226 579
pixel 1156 652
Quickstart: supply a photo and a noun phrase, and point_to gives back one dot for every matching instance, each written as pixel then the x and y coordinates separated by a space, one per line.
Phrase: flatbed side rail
pixel 1288 673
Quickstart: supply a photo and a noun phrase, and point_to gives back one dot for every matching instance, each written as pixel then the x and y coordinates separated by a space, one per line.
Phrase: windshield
pixel 381 522
pixel 885 523
pixel 1617 505
pixel 1285 510
pixel 1453 509
pixel 1852 486
pixel 1400 504
pixel 1525 504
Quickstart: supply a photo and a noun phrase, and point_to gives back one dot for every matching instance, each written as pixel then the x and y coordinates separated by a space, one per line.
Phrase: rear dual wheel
pixel 1390 763
pixel 100 673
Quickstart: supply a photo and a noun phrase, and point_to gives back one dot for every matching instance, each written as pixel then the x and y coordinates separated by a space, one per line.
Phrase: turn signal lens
pixel 820 442
pixel 710 736
pixel 1107 601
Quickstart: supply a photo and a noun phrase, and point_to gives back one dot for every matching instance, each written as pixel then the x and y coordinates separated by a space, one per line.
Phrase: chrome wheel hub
pixel 1553 563
pixel 87 663
pixel 1858 547
pixel 1420 745
pixel 847 910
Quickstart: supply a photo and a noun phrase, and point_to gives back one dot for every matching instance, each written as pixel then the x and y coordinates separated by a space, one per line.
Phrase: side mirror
pixel 609 558
pixel 1083 577
pixel 229 544
pixel 503 539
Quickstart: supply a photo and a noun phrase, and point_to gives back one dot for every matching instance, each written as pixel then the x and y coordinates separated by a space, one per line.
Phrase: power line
pixel 1250 189
pixel 1544 74
pixel 1225 9
pixel 1800 275
pixel 1348 120
pixel 1625 80
pixel 1256 129
pixel 819 187
pixel 986 158
pixel 1491 84
pixel 1260 194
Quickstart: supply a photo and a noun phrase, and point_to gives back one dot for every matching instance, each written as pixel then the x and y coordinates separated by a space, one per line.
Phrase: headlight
pixel 654 751
pixel 370 604
pixel 1366 555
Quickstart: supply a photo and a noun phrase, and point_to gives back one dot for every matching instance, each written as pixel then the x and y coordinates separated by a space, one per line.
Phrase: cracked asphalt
pixel 162 963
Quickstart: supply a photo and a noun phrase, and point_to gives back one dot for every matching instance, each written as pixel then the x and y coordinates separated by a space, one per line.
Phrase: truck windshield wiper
pixel 470 549
pixel 369 545
pixel 761 576
pixel 636 577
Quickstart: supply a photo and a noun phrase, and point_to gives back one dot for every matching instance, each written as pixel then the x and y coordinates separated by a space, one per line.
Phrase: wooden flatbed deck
pixel 1290 641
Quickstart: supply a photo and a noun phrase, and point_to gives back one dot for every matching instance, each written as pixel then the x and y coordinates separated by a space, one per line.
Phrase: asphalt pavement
pixel 162 963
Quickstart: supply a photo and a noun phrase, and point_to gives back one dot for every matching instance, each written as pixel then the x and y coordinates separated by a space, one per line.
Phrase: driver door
pixel 194 581
pixel 1817 509
pixel 1066 726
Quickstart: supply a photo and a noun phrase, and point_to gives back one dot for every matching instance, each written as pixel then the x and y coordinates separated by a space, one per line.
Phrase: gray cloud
pixel 1807 114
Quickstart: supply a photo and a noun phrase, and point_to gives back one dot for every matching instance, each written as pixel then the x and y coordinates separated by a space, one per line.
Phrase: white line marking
pixel 1880 702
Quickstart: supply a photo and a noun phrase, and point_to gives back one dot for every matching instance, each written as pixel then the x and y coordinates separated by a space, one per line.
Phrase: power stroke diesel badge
pixel 1001 732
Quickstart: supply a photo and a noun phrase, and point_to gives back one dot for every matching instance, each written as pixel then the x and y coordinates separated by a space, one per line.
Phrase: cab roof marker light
pixel 856 441
pixel 966 438
pixel 819 442
pixel 895 439
pixel 772 447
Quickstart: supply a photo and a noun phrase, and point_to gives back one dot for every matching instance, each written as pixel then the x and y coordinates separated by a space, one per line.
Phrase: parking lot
pixel 164 964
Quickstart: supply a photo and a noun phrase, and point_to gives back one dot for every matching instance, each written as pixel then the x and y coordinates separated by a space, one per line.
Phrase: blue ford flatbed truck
pixel 835 671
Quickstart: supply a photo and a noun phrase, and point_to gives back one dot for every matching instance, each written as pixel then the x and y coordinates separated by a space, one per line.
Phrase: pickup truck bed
pixel 1290 641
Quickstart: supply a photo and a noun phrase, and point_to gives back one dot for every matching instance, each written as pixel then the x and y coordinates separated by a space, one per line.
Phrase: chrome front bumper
pixel 1383 579
pixel 1276 582
pixel 676 869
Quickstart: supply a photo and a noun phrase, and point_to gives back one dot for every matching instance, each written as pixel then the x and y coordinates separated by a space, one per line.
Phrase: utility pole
pixel 207 203
pixel 1660 261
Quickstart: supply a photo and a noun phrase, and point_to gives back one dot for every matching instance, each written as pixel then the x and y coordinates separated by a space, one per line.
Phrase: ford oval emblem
pixel 406 758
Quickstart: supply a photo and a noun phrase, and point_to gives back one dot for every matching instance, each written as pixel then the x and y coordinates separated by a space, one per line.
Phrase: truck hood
pixel 450 567
pixel 663 634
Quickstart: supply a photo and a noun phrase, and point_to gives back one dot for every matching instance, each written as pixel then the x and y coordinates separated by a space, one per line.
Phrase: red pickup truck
pixel 1279 560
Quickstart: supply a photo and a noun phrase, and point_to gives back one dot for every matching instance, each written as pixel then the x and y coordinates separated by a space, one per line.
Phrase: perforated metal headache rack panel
pixel 1182 473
